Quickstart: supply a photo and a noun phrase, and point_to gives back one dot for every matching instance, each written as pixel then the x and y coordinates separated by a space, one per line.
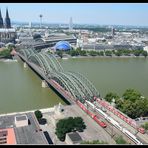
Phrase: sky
pixel 81 13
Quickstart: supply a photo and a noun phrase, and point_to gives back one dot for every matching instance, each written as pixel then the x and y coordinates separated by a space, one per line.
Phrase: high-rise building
pixel 30 24
pixel 70 24
pixel 113 31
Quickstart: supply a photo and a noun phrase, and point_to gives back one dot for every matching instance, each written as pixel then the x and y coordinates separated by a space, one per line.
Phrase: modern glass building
pixel 62 45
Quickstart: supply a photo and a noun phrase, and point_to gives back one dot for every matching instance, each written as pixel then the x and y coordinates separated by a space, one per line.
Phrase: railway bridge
pixel 75 87
pixel 71 85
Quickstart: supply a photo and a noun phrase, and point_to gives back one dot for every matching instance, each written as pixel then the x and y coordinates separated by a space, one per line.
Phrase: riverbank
pixel 43 110
pixel 79 57
pixel 3 59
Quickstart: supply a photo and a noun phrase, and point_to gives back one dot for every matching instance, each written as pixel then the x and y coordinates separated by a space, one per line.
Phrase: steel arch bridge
pixel 75 83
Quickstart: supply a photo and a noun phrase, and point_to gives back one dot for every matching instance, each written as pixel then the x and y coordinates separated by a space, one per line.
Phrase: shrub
pixel 38 114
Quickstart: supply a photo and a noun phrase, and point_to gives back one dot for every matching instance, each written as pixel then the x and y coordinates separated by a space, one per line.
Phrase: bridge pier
pixel 44 84
pixel 25 65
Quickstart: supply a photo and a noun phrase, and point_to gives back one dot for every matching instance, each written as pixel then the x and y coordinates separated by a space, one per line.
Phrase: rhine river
pixel 20 88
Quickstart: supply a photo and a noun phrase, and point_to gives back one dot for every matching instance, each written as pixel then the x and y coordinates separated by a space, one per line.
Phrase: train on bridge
pixel 76 88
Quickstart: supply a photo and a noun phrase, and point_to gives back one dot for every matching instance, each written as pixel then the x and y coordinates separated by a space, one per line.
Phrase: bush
pixel 94 142
pixel 5 53
pixel 38 114
pixel 145 125
pixel 120 140
pixel 109 96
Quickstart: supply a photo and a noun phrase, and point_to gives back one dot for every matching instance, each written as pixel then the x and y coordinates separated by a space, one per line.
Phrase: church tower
pixel 1 20
pixel 7 20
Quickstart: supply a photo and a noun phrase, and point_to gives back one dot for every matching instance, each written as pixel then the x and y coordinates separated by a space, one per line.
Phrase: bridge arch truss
pixel 74 83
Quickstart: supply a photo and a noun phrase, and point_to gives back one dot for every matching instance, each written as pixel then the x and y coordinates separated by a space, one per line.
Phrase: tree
pixel 59 53
pixel 132 103
pixel 101 53
pixel 119 103
pixel 113 51
pixel 67 125
pixel 126 52
pixel 144 53
pixel 79 124
pixel 120 140
pixel 92 53
pixel 6 53
pixel 141 109
pixel 137 52
pixel 108 53
pixel 129 108
pixel 10 47
pixel 131 94
pixel 94 142
pixel 82 53
pixel 145 125
pixel 74 52
pixel 118 53
pixel 38 114
pixel 109 96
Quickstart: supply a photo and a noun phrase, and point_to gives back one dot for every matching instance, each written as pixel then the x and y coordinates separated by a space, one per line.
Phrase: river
pixel 20 88
pixel 112 74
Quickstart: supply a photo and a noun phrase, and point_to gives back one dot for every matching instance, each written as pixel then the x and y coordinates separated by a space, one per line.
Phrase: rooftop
pixel 7 136
pixel 7 30
pixel 22 117
pixel 75 137
pixel 26 134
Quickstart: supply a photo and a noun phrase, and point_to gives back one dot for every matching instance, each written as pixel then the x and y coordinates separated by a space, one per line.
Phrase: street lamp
pixel 40 19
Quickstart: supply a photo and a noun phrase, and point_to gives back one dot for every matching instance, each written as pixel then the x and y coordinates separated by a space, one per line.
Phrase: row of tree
pixel 119 140
pixel 67 125
pixel 132 103
pixel 93 142
pixel 121 52
pixel 6 52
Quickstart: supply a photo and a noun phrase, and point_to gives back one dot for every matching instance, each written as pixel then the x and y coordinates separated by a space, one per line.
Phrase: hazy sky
pixel 92 13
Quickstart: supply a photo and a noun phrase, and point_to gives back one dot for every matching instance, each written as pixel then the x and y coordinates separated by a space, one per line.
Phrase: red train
pixel 93 116
pixel 120 115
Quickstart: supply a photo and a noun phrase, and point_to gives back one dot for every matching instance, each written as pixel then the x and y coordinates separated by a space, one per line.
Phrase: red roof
pixel 7 136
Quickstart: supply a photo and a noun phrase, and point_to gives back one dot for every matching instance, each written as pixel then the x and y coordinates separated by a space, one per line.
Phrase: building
pixel 7 34
pixel 7 136
pixel 113 31
pixel 73 138
pixel 62 45
pixel 21 120
pixel 7 20
pixel 1 20
pixel 30 25
pixel 145 48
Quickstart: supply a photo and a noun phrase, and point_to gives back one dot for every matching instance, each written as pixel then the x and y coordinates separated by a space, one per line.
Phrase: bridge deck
pixel 51 82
